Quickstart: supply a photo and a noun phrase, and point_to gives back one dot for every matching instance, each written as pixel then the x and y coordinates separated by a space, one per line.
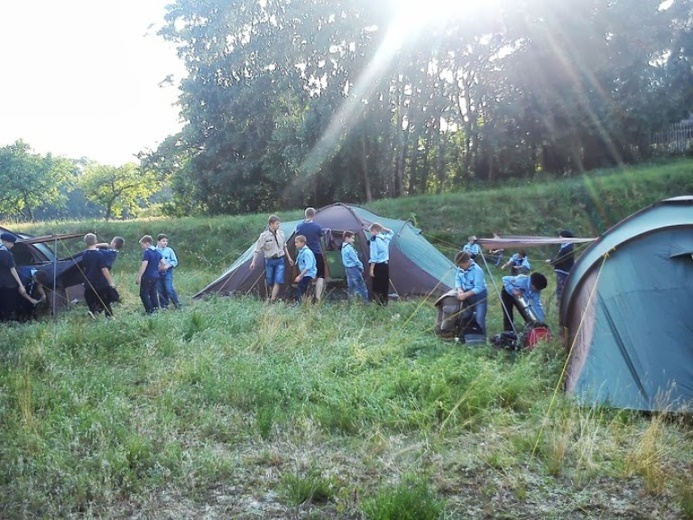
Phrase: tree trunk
pixel 364 169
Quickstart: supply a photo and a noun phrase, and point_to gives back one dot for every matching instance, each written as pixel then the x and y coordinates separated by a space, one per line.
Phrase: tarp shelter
pixel 628 310
pixel 416 266
pixel 61 277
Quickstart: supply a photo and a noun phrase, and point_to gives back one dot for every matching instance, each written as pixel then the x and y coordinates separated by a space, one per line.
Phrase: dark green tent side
pixel 628 312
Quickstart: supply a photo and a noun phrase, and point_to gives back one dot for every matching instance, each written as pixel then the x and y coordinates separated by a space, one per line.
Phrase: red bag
pixel 535 334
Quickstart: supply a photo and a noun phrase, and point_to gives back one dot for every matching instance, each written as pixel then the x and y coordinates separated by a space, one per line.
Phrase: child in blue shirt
pixel 470 283
pixel 97 279
pixel 472 247
pixel 562 263
pixel 354 267
pixel 110 251
pixel 305 260
pixel 530 288
pixel 379 259
pixel 519 263
pixel 164 285
pixel 148 274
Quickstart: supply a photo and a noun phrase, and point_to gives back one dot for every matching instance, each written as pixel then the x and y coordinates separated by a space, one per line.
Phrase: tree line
pixel 289 103
pixel 45 187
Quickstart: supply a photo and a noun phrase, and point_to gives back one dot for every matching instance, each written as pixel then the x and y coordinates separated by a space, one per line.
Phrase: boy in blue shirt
pixel 313 232
pixel 9 279
pixel 470 283
pixel 353 267
pixel 27 306
pixel 305 260
pixel 98 282
pixel 378 261
pixel 519 263
pixel 110 251
pixel 562 263
pixel 148 274
pixel 472 247
pixel 164 284
pixel 530 288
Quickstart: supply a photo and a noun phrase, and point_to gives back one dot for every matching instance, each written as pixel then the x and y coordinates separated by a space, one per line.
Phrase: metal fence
pixel 677 139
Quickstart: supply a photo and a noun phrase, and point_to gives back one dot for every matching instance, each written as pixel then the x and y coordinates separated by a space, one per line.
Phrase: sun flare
pixel 421 12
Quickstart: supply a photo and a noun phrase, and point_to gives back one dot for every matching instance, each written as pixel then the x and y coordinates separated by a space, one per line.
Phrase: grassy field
pixel 231 408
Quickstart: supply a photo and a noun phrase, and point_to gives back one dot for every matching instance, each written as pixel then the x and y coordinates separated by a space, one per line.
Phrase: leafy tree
pixel 31 181
pixel 121 191
pixel 290 102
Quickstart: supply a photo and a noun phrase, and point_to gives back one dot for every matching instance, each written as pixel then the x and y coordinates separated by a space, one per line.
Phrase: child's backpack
pixel 531 335
pixel 534 333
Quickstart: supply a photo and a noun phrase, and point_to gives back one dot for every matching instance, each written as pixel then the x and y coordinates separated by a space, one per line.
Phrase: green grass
pixel 232 408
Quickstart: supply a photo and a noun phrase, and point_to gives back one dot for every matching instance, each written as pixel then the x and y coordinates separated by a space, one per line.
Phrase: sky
pixel 81 78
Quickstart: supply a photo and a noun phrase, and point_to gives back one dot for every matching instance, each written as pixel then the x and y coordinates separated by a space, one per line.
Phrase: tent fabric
pixel 28 253
pixel 62 278
pixel 627 308
pixel 518 242
pixel 416 266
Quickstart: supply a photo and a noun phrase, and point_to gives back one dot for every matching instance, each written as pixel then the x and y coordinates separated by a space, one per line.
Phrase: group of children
pixel 155 274
pixel 520 286
pixel 272 246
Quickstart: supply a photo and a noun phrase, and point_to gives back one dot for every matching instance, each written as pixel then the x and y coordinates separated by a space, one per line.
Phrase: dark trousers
pixel 98 299
pixel 148 294
pixel 9 301
pixel 381 283
pixel 302 287
pixel 508 301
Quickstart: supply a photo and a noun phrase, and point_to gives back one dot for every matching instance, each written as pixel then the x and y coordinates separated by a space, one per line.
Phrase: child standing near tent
pixel 305 260
pixel 148 274
pixel 518 263
pixel 562 263
pixel 530 288
pixel 470 284
pixel 472 247
pixel 9 279
pixel 98 280
pixel 164 284
pixel 378 262
pixel 110 253
pixel 313 232
pixel 27 307
pixel 271 244
pixel 353 267
pixel 110 250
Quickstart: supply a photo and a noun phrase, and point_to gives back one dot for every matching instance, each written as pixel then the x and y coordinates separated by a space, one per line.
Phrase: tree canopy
pixel 31 181
pixel 307 101
pixel 119 190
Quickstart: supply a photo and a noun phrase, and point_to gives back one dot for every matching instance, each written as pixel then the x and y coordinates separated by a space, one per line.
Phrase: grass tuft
pixel 307 488
pixel 411 499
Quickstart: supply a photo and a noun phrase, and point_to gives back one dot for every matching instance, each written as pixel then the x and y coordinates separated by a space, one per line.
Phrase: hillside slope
pixel 588 204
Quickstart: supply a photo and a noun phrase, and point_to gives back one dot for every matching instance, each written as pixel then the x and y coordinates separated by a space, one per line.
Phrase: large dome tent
pixel 628 312
pixel 417 268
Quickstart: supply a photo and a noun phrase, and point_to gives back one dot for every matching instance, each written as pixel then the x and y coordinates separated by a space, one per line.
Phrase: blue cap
pixel 8 237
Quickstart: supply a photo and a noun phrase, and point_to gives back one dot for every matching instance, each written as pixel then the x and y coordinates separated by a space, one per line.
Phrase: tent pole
pixel 55 272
